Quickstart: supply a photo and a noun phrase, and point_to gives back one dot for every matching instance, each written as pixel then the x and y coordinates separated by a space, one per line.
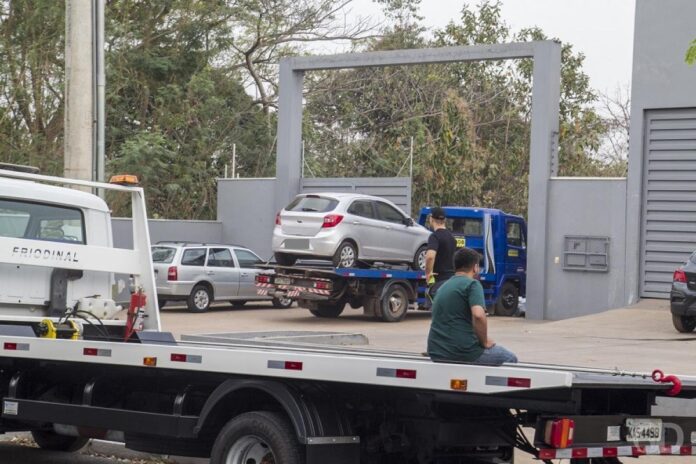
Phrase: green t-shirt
pixel 452 334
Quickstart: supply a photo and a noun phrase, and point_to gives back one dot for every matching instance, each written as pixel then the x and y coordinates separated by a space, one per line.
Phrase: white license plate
pixel 297 243
pixel 282 281
pixel 644 430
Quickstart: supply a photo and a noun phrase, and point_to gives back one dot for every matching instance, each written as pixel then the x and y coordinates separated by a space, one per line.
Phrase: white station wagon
pixel 347 228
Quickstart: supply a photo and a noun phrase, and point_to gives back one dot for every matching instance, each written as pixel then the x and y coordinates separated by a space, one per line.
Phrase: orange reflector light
pixel 559 433
pixel 150 361
pixel 124 179
pixel 458 384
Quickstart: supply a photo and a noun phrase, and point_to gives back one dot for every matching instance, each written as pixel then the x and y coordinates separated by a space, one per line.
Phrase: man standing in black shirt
pixel 439 259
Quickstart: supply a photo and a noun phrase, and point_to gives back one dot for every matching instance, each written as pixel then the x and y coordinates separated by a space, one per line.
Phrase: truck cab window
pixel 37 221
pixel 514 234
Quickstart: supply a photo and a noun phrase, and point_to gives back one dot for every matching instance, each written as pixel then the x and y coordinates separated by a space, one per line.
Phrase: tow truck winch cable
pixel 660 377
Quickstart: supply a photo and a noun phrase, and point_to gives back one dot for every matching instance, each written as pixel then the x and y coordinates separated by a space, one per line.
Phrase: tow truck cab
pixel 44 218
pixel 500 238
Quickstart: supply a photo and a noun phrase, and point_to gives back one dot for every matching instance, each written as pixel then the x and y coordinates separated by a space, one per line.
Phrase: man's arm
pixel 480 323
pixel 429 263
pixel 433 245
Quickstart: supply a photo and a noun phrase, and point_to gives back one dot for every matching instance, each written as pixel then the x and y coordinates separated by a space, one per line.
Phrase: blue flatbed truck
pixel 500 238
pixel 388 292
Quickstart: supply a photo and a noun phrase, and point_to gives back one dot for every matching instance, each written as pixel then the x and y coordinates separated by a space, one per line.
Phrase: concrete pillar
pixel 79 97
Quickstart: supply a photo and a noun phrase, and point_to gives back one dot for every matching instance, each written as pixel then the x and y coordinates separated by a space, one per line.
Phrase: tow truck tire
pixel 418 263
pixel 257 437
pixel 346 255
pixel 508 301
pixel 282 303
pixel 326 310
pixel 51 441
pixel 200 298
pixel 285 259
pixel 684 324
pixel 394 303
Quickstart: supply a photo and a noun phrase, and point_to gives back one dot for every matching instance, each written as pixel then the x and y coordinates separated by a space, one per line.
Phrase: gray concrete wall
pixel 394 189
pixel 168 230
pixel 247 213
pixel 585 206
pixel 661 79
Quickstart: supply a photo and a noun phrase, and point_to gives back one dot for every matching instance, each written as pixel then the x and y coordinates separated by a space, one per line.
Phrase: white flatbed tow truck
pixel 73 366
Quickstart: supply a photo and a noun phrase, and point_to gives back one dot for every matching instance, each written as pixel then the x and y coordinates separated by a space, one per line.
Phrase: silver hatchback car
pixel 347 228
pixel 199 274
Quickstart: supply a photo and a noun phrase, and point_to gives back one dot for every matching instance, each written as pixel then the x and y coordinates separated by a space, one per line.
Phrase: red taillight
pixel 679 276
pixel 559 433
pixel 321 285
pixel 263 279
pixel 172 273
pixel 519 382
pixel 332 220
pixel 278 218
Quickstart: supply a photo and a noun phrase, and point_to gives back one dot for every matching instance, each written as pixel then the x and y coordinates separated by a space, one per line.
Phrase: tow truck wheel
pixel 256 437
pixel 200 298
pixel 51 441
pixel 281 303
pixel 394 303
pixel 285 259
pixel 326 310
pixel 508 300
pixel 684 324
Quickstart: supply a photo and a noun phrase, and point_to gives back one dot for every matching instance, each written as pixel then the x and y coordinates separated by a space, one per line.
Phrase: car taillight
pixel 172 273
pixel 278 218
pixel 332 220
pixel 559 433
pixel 679 276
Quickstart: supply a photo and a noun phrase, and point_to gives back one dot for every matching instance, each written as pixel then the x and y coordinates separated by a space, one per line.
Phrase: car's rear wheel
pixel 285 259
pixel 418 263
pixel 200 298
pixel 684 324
pixel 346 255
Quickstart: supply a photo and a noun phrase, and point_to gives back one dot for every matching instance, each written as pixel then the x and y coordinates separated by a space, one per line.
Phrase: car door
pixel 247 262
pixel 365 228
pixel 223 273
pixel 395 238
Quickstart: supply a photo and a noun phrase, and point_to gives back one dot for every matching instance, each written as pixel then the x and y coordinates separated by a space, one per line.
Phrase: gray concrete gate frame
pixel 543 148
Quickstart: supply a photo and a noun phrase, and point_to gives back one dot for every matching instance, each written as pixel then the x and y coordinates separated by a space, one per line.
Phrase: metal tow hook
pixel 659 376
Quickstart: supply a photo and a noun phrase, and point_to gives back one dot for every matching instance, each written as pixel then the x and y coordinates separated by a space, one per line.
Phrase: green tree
pixel 691 53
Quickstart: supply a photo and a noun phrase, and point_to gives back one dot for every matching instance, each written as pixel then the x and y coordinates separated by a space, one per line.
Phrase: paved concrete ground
pixel 640 338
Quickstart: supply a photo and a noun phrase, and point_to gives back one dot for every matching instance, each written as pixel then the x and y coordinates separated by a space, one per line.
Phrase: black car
pixel 683 297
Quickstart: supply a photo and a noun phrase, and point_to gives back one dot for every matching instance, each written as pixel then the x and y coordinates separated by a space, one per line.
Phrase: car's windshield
pixel 163 254
pixel 312 204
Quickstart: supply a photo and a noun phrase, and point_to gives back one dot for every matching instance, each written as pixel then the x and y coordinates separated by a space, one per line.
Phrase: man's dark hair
pixel 465 259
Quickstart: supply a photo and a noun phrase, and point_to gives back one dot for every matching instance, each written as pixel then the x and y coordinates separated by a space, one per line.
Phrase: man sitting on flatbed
pixel 459 328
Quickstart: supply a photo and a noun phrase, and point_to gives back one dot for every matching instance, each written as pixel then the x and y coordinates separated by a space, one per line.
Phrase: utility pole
pixel 79 94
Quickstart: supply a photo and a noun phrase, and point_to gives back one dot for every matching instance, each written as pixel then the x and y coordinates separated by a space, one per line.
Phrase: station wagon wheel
pixel 346 255
pixel 256 438
pixel 508 300
pixel 200 298
pixel 418 263
pixel 394 303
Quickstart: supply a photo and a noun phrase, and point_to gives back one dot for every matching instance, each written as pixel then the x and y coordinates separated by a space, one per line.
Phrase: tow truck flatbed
pixel 242 403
